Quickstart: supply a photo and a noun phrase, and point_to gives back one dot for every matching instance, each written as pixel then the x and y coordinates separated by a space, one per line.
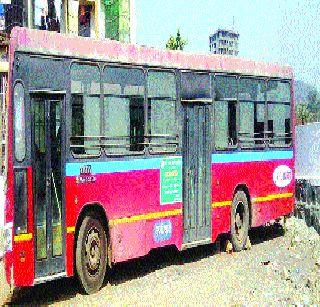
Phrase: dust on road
pixel 280 268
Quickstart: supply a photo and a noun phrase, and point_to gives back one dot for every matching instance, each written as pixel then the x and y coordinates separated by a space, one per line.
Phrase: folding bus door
pixel 47 189
pixel 197 173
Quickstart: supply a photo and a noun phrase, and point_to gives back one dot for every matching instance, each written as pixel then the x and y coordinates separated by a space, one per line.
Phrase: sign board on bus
pixel 170 180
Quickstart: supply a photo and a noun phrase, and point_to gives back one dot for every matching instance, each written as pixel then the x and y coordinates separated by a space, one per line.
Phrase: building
pixel 114 19
pixel 90 18
pixel 224 42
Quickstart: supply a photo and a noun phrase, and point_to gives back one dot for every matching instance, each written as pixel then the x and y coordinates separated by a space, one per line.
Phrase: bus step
pixel 196 243
pixel 41 280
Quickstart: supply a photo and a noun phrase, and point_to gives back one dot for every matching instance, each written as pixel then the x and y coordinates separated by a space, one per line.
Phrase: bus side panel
pixel 220 221
pixel 23 259
pixel 132 240
pixel 263 213
pixel 131 200
pixel 71 218
pixel 268 200
pixel 24 250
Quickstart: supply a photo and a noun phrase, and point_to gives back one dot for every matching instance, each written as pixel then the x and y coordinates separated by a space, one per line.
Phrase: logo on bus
pixel 85 175
pixel 282 176
pixel 162 230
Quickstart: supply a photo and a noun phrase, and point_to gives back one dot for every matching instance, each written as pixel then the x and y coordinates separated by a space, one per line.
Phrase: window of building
pixel 279 113
pixel 85 20
pixel 123 110
pixel 162 125
pixel 47 15
pixel 85 102
pixel 225 118
pixel 251 112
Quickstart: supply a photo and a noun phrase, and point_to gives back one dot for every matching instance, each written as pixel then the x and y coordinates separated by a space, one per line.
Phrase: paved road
pixel 271 272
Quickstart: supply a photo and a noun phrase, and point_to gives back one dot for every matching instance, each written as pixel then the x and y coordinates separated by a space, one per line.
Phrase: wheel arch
pixel 88 208
pixel 243 187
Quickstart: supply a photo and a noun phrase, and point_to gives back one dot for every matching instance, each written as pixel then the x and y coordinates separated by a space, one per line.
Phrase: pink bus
pixel 116 149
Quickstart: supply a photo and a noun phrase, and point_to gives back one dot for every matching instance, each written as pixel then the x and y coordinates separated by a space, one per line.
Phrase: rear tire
pixel 239 221
pixel 91 254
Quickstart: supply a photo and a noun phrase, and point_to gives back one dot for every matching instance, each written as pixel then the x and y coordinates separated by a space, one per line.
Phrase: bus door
pixel 197 173
pixel 47 185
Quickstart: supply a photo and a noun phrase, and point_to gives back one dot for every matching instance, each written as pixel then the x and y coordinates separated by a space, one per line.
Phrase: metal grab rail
pixel 170 144
pixel 269 138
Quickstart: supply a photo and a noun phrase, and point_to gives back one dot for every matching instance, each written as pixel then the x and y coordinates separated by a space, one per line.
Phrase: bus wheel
pixel 239 221
pixel 91 254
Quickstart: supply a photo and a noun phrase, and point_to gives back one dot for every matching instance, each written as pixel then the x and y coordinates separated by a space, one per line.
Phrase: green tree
pixel 177 42
pixel 303 114
pixel 314 103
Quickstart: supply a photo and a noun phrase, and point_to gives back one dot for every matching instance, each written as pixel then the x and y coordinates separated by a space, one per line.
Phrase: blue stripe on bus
pixel 73 168
pixel 251 156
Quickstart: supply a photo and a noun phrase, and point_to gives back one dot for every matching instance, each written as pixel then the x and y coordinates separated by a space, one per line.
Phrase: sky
pixel 281 31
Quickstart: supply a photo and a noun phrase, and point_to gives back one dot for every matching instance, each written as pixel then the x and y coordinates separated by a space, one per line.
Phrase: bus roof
pixel 52 43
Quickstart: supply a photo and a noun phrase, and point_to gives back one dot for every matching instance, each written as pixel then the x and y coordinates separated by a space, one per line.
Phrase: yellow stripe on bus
pixel 71 229
pixel 255 199
pixel 23 237
pixel 271 197
pixel 222 203
pixel 148 216
pixel 156 215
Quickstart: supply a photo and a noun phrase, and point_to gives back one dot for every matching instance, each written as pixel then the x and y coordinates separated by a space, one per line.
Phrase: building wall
pixel 94 18
pixel 117 16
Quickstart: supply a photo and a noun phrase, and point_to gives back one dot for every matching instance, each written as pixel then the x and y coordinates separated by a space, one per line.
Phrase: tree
pixel 314 103
pixel 176 43
pixel 303 114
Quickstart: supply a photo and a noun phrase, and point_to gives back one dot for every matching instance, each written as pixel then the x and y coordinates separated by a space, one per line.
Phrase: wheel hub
pixel 93 251
pixel 239 219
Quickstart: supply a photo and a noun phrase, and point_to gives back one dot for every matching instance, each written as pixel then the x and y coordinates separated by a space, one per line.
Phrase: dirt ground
pixel 282 267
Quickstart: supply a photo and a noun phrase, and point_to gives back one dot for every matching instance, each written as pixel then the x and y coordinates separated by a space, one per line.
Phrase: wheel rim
pixel 93 251
pixel 239 220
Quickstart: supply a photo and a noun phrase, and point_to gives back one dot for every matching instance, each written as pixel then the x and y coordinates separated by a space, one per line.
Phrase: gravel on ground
pixel 281 267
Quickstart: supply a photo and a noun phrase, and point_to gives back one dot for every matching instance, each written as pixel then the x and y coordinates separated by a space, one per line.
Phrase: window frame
pixel 85 156
pixel 17 82
pixel 151 151
pixel 195 72
pixel 291 110
pixel 234 101
pixel 104 66
pixel 265 139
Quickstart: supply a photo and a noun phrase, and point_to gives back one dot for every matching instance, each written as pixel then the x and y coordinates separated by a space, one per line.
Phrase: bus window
pixel 251 112
pixel 225 107
pixel 85 91
pixel 279 113
pixel 162 111
pixel 195 86
pixel 19 123
pixel 123 110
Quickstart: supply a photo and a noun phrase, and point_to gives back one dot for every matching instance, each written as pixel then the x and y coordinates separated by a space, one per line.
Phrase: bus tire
pixel 239 220
pixel 91 254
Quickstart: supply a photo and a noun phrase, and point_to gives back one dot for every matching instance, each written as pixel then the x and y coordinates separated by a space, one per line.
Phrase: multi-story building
pixel 114 19
pixel 91 18
pixel 224 42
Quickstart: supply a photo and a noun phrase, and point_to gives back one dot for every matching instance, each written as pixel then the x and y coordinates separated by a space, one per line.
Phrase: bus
pixel 117 149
